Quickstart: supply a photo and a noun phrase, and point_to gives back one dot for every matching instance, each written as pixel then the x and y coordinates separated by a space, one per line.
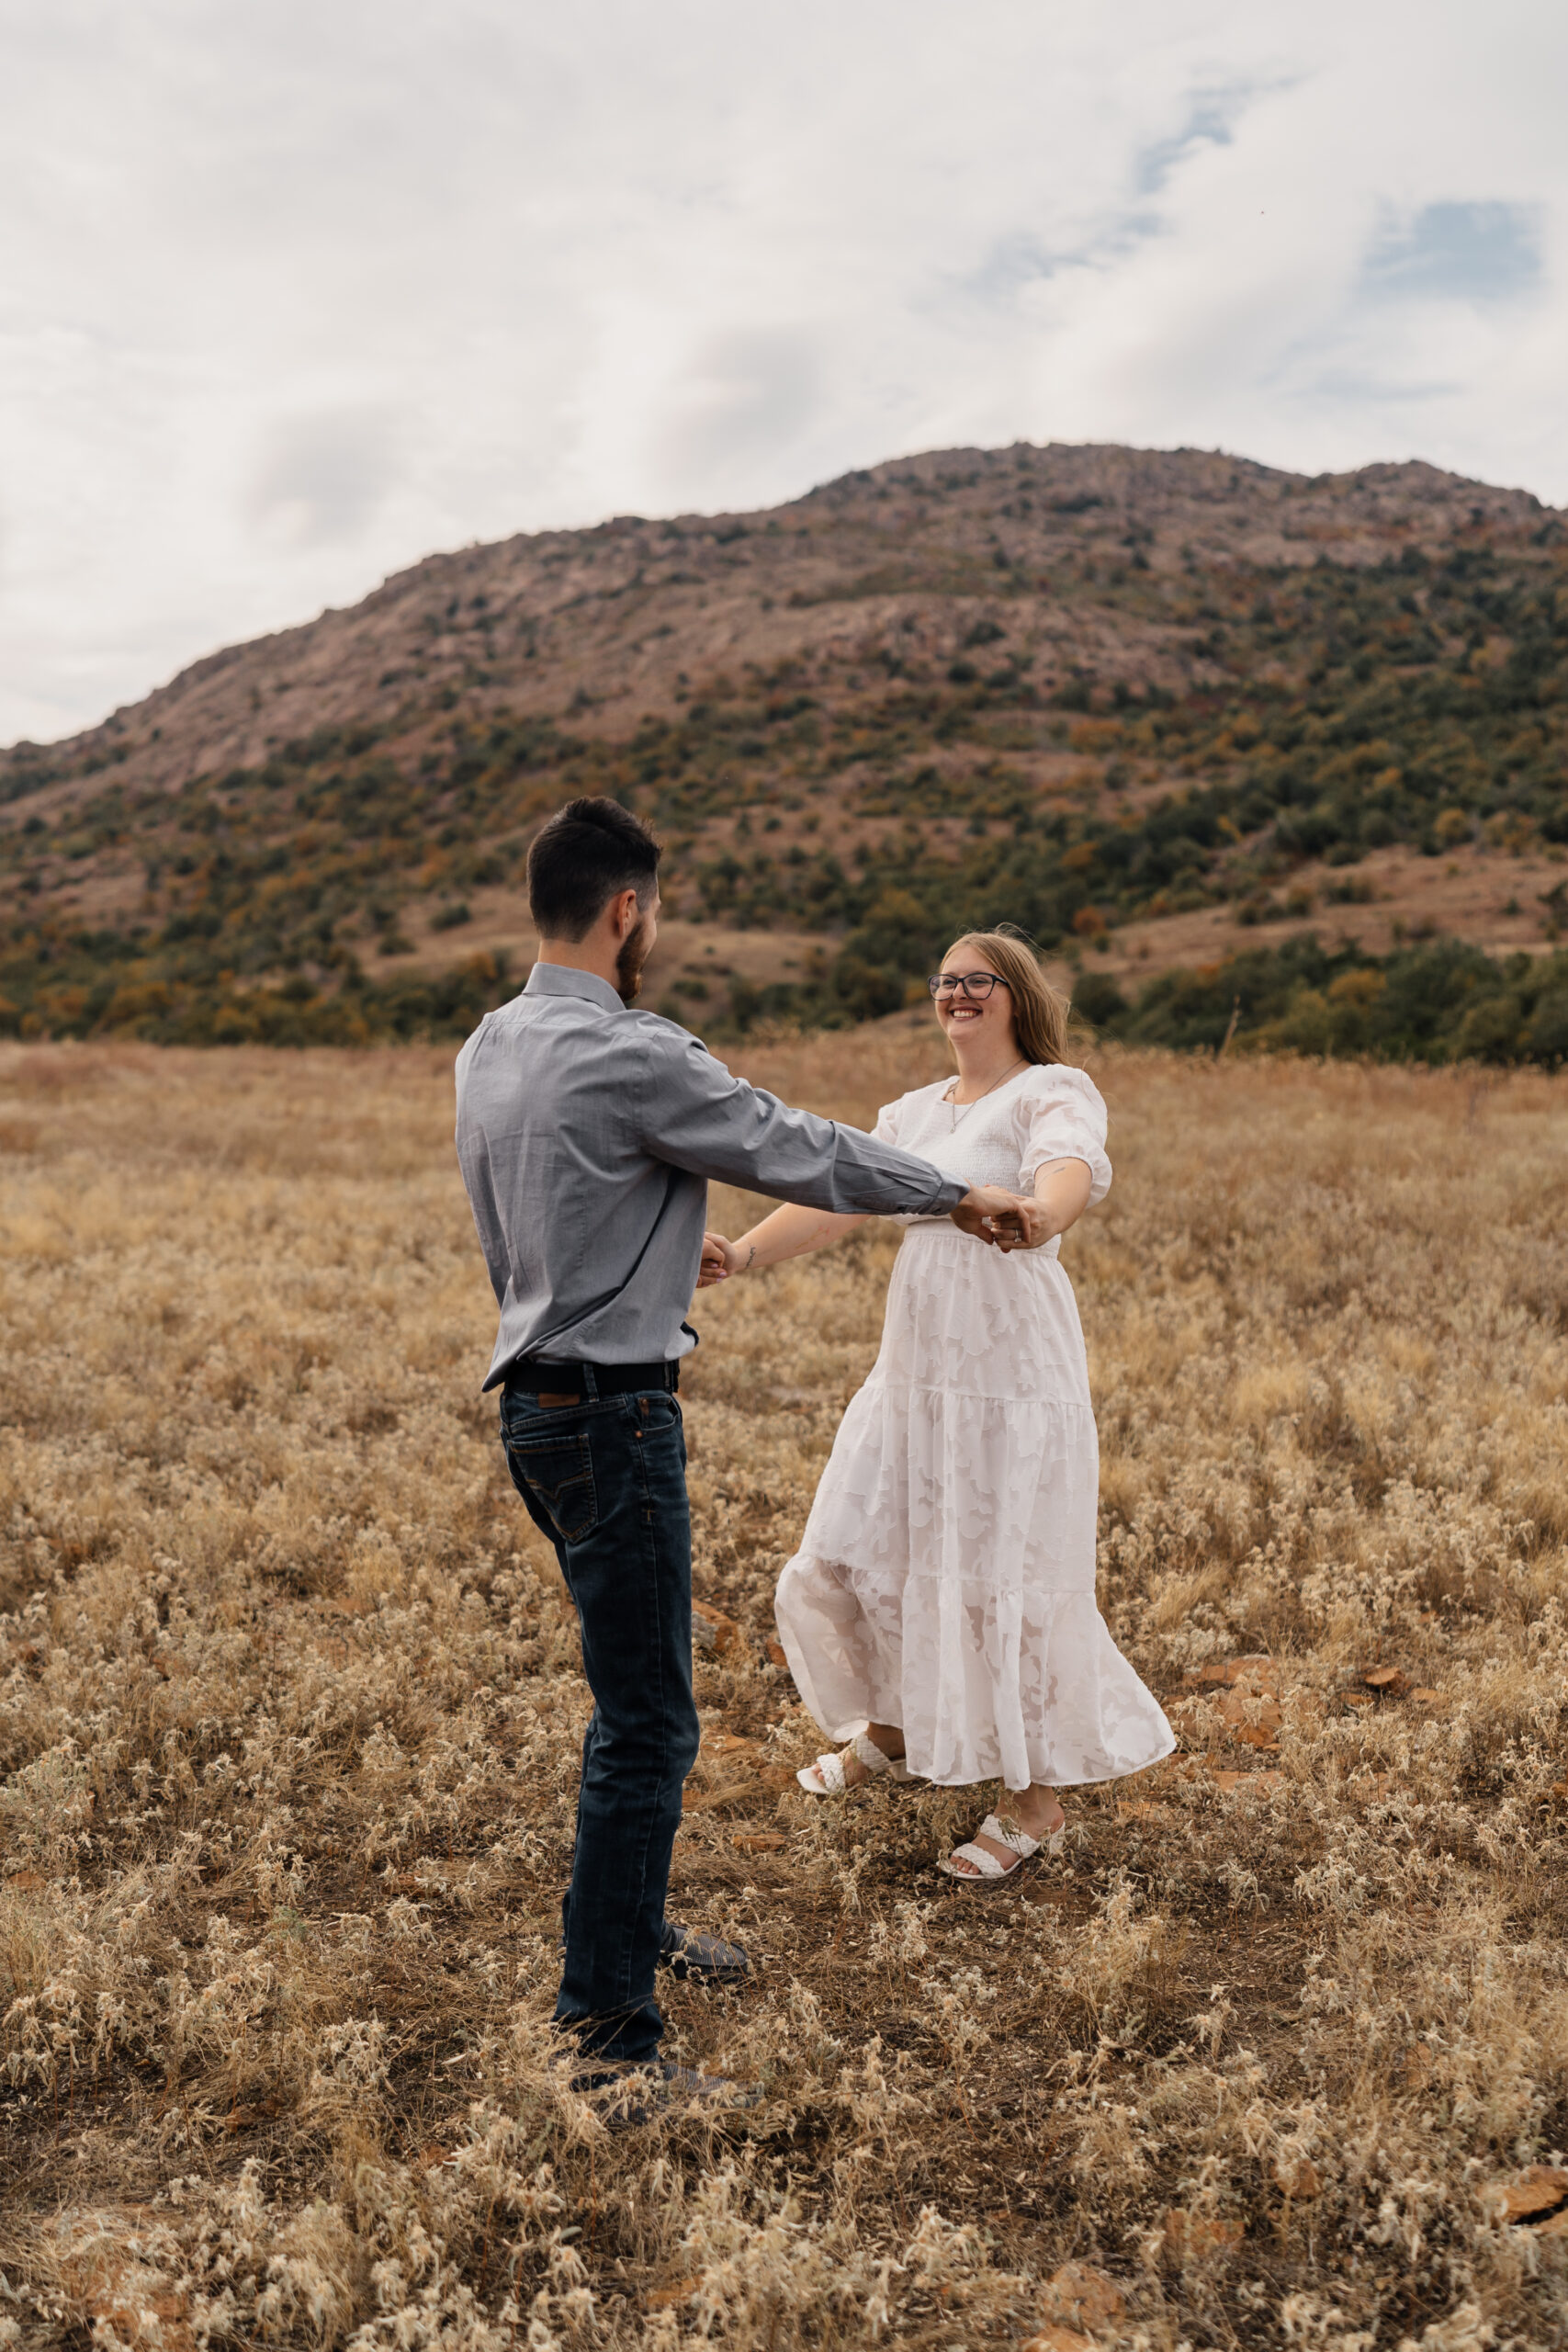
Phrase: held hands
pixel 720 1260
pixel 1006 1220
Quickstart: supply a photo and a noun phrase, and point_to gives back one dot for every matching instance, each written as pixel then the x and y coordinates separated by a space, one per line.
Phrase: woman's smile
pixel 957 1009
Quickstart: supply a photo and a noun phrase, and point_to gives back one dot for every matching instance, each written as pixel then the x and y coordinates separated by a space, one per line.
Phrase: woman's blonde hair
pixel 1039 1011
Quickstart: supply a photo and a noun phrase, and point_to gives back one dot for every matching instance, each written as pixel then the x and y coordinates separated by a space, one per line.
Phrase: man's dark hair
pixel 590 851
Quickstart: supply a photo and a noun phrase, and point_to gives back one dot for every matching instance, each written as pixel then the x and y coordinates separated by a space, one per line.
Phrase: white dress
pixel 945 1578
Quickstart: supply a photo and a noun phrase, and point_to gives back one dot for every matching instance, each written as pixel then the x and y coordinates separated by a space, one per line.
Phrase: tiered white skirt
pixel 945 1578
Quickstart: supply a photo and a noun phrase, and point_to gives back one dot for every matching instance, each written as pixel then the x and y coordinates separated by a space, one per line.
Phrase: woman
pixel 940 1615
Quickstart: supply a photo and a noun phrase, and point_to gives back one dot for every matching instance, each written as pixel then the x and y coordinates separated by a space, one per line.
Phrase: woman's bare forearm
pixel 790 1232
pixel 1063 1189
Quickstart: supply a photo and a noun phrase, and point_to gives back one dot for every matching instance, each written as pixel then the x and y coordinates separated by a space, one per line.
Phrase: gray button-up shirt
pixel 587 1135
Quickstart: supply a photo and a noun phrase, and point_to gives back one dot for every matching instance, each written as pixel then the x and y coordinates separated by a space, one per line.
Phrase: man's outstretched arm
pixel 697 1115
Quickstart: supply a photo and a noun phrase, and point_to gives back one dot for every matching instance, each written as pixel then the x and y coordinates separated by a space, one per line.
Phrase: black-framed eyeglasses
pixel 975 985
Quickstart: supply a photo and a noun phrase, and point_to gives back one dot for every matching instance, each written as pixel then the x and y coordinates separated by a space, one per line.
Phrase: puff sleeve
pixel 1063 1117
pixel 886 1128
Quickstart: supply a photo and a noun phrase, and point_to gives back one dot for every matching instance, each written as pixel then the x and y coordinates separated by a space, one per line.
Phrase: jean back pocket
pixel 558 1472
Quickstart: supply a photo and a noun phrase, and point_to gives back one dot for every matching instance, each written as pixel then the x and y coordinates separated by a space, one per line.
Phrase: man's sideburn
pixel 635 951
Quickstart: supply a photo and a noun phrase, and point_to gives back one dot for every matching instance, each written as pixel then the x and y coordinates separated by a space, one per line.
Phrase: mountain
pixel 1158 706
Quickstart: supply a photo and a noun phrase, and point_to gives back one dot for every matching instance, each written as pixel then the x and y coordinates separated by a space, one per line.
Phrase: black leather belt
pixel 541 1374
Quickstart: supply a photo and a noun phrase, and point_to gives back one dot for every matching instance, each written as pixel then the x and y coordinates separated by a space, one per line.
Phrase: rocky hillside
pixel 1155 706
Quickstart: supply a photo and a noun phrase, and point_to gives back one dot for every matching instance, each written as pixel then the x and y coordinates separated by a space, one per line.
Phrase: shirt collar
pixel 562 979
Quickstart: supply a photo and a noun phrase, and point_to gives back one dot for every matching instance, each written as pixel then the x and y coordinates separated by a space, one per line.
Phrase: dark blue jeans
pixel 605 1480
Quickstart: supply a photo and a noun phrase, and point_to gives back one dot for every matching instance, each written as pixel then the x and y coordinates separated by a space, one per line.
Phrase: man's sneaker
pixel 661 2093
pixel 704 1959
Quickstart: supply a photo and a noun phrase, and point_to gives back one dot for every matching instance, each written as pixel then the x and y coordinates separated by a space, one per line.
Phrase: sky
pixel 295 292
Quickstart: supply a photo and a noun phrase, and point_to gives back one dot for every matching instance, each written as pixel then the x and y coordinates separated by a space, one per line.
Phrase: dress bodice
pixel 1044 1111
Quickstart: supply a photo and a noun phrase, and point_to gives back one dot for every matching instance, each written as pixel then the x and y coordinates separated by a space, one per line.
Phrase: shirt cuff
pixel 950 1190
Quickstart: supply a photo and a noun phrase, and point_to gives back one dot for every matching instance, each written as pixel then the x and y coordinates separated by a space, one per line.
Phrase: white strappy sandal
pixel 988 1869
pixel 826 1777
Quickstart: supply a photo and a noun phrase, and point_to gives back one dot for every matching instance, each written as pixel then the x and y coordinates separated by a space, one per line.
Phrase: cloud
pixel 1013 261
pixel 291 296
pixel 1021 258
pixel 1458 253
pixel 1208 123
pixel 739 395
pixel 321 478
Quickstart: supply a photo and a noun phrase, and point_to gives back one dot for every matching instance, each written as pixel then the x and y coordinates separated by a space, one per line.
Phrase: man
pixel 587 1134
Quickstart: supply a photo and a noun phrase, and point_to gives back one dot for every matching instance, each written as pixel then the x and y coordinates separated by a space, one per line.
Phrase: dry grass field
pixel 289 1700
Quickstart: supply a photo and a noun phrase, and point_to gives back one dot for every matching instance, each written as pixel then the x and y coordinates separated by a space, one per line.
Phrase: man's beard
pixel 630 961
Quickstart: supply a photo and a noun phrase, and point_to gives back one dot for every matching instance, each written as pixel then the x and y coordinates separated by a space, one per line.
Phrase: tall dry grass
pixel 287 1732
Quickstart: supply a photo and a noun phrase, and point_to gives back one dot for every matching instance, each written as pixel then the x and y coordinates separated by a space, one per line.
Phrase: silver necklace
pixel 956 1107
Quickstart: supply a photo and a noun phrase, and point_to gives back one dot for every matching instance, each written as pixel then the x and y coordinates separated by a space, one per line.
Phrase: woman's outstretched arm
pixel 1062 1187
pixel 789 1233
